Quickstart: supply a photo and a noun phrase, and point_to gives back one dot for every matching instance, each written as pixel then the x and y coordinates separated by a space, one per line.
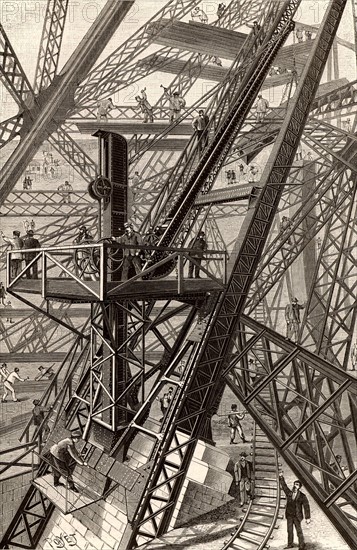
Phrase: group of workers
pixel 20 245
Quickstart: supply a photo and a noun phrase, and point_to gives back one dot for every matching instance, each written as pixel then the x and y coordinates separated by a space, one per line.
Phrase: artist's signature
pixel 62 540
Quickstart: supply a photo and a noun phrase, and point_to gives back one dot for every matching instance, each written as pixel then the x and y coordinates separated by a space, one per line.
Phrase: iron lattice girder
pixel 12 74
pixel 311 400
pixel 331 303
pixel 319 134
pixel 46 203
pixel 73 154
pixel 344 98
pixel 9 129
pixel 103 80
pixel 28 524
pixel 325 200
pixel 199 392
pixel 50 45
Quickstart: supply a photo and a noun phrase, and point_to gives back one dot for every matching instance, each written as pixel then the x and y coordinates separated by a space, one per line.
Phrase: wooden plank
pixel 71 291
pixel 199 38
pixel 133 127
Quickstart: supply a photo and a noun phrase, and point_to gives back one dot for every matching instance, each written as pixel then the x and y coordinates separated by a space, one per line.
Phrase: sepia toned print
pixel 178 278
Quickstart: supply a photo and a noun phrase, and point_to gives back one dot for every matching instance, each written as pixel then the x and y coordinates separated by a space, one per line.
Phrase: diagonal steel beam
pixel 50 46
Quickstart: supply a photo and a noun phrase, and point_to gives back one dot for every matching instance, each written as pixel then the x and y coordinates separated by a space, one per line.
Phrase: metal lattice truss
pixel 51 40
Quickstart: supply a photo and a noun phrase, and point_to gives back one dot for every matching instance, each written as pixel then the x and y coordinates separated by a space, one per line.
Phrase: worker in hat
pixel 16 243
pixel 176 103
pixel 31 242
pixel 64 457
pixel 131 255
pixel 199 246
pixel 292 317
pixel 243 478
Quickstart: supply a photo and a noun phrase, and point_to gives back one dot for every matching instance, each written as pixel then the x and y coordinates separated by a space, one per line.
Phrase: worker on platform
pixel 199 246
pixel 104 108
pixel 165 401
pixel 2 293
pixel 31 242
pixel 285 225
pixel 145 107
pixel 176 103
pixel 308 35
pixel 200 125
pixel 221 9
pixel 198 13
pixel 243 478
pixel 65 189
pixel 292 317
pixel 9 384
pixel 45 374
pixel 131 255
pixel 64 457
pixel 215 60
pixel 234 423
pixel 16 243
pixel 299 35
pixel 261 107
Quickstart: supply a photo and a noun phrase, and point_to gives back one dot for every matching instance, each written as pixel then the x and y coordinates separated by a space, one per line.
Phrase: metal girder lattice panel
pixel 12 74
pixel 50 46
pixel 311 404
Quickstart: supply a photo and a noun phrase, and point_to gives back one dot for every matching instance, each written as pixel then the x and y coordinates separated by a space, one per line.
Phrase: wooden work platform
pixel 69 290
pixel 130 127
pixel 226 194
pixel 66 501
pixel 198 38
pixel 215 41
pixel 214 72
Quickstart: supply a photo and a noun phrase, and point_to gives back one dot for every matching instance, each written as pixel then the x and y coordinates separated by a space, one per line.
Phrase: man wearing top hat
pixel 31 242
pixel 243 478
pixel 297 506
pixel 292 317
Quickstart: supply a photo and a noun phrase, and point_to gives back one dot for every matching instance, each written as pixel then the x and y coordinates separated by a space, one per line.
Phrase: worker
pixel 299 34
pixel 354 356
pixel 297 505
pixel 16 243
pixel 145 107
pixel 198 13
pixel 221 9
pixel 131 255
pixel 292 317
pixel 9 384
pixel 2 293
pixel 104 108
pixel 64 456
pixel 45 374
pixel 261 107
pixel 65 189
pixel 31 242
pixel 215 60
pixel 234 423
pixel 200 125
pixel 285 225
pixel 165 401
pixel 176 103
pixel 38 416
pixel 199 246
pixel 243 478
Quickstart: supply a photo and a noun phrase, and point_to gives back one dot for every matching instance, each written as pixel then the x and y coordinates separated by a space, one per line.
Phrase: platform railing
pixel 92 266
